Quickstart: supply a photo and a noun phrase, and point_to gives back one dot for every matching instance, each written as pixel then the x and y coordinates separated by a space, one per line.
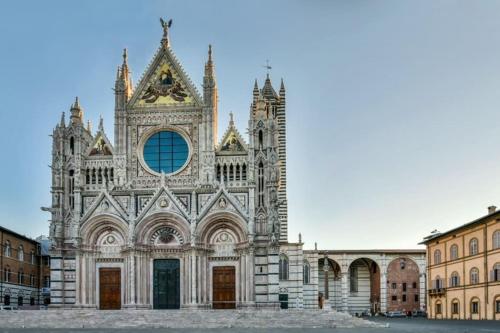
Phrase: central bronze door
pixel 224 288
pixel 110 289
pixel 166 284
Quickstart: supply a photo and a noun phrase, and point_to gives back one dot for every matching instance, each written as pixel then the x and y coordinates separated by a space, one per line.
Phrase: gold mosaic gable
pixel 164 87
pixel 232 143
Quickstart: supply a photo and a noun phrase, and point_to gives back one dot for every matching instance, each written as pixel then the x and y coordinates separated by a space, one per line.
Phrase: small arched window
pixel 244 172
pixel 33 257
pixel 72 145
pixel 437 257
pixel 454 280
pixel 306 272
pixel 20 277
pixel 473 247
pixel 474 305
pixel 20 253
pixel 474 275
pixel 496 239
pixel 6 274
pixel 438 283
pixel 283 267
pixel 260 185
pixel 7 249
pixel 455 306
pixel 439 309
pixel 454 252
pixel 495 273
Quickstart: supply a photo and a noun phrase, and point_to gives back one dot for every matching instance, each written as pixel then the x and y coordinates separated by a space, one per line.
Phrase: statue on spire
pixel 165 26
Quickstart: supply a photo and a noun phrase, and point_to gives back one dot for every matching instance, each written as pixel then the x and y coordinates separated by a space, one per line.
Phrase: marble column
pixel 345 291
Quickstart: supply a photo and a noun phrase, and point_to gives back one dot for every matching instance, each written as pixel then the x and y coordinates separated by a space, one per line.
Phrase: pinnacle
pixel 76 105
pixel 101 124
pixel 63 120
pixel 255 86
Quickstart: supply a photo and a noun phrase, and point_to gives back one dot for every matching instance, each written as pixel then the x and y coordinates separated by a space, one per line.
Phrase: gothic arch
pixel 147 228
pixel 93 228
pixel 213 222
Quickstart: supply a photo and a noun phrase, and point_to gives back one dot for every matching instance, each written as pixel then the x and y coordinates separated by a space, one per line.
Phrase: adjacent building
pixel 463 270
pixel 24 270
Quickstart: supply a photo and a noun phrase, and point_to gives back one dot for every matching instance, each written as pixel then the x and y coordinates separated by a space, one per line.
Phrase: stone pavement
pixel 144 319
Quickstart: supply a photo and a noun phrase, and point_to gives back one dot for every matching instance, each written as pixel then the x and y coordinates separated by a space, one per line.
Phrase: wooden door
pixel 110 289
pixel 224 288
pixel 166 284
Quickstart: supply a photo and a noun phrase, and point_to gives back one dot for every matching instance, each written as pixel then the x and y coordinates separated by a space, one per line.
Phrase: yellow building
pixel 463 270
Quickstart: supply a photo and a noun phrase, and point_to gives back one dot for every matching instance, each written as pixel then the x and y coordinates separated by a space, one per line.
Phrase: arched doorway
pixel 329 284
pixel 364 286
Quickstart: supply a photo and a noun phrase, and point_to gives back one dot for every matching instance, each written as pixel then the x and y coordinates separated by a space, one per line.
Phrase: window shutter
pixel 434 285
pixel 458 280
pixel 492 275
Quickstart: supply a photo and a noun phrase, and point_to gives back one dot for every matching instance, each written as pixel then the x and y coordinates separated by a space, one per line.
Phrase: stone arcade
pixel 167 217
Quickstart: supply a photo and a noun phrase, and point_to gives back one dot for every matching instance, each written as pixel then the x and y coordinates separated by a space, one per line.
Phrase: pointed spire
pixel 255 87
pixel 282 86
pixel 118 73
pixel 210 66
pixel 76 112
pixel 63 120
pixel 77 103
pixel 101 124
pixel 268 90
pixel 124 69
pixel 89 126
pixel 231 120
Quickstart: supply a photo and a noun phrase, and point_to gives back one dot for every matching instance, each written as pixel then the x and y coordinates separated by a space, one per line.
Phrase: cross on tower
pixel 267 66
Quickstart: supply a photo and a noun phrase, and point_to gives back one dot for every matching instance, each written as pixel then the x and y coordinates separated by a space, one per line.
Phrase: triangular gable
pixel 101 146
pixel 165 83
pixel 232 141
pixel 222 200
pixel 104 204
pixel 163 201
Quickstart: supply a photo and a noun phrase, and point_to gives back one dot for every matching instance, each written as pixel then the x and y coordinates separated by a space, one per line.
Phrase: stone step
pixel 247 318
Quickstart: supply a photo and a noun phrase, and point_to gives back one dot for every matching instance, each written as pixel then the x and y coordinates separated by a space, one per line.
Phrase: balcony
pixel 437 291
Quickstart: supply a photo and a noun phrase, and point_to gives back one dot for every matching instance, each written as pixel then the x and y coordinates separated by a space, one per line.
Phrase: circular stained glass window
pixel 166 151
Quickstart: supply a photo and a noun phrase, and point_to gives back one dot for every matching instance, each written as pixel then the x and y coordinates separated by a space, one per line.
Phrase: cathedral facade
pixel 166 216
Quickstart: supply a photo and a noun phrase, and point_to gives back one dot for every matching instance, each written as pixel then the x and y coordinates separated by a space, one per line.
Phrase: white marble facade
pixel 224 204
pixel 217 205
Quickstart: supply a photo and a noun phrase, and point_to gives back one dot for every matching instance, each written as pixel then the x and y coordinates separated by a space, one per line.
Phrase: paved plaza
pixel 227 322
pixel 415 325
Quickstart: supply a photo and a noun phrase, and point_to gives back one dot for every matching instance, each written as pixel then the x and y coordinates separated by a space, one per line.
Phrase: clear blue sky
pixel 393 106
